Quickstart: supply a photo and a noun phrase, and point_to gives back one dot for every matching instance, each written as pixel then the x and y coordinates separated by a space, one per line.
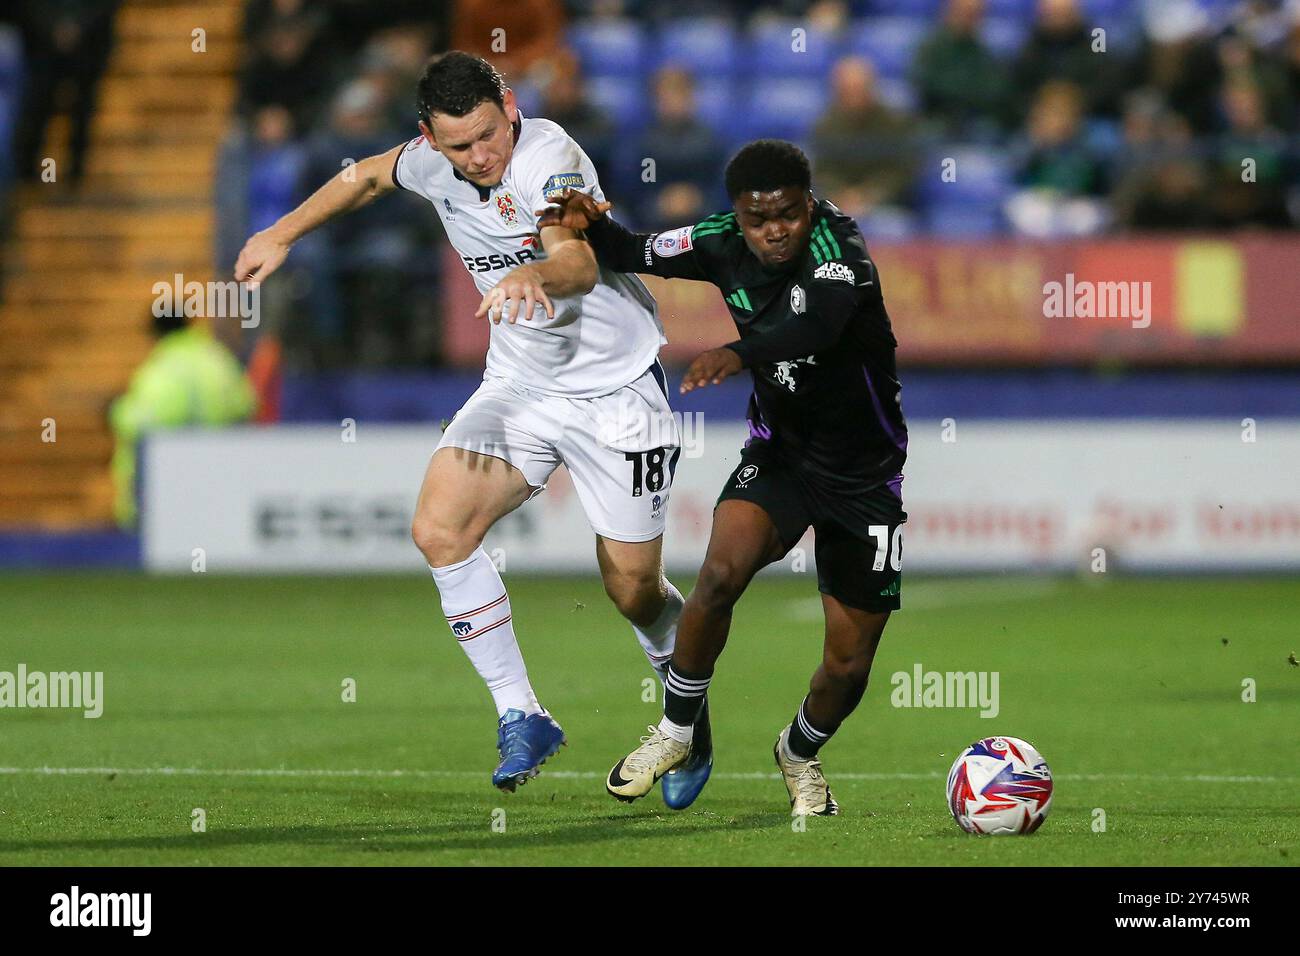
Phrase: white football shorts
pixel 620 449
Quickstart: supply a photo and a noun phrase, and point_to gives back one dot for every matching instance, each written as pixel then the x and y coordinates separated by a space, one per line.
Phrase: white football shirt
pixel 597 342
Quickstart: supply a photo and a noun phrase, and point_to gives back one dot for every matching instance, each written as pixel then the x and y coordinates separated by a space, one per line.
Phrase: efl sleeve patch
pixel 835 270
pixel 562 181
pixel 673 243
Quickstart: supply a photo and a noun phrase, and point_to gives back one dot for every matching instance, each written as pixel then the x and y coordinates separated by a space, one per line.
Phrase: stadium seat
pixel 610 47
pixel 897 94
pixel 1005 35
pixel 622 98
pixel 920 9
pixel 888 42
pixel 784 108
pixel 889 225
pixel 705 47
pixel 715 102
pixel 964 220
pixel 769 50
pixel 982 176
pixel 1020 9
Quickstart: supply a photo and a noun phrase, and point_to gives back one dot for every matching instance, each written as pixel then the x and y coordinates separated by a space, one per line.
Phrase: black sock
pixel 683 694
pixel 805 739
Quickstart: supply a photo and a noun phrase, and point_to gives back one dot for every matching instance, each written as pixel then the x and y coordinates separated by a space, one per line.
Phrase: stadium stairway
pixel 80 263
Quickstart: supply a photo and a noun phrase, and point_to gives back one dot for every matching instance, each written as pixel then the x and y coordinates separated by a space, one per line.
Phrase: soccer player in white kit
pixel 572 376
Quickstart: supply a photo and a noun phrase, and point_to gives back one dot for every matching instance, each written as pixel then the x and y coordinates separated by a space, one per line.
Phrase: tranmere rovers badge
pixel 506 207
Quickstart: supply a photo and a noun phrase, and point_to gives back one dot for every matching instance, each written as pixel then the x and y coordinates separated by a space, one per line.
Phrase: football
pixel 999 785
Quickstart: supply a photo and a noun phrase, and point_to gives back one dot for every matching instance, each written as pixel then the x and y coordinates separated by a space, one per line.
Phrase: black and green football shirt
pixel 815 336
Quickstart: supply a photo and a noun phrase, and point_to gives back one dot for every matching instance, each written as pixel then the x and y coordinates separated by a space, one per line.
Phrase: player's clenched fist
pixel 261 256
pixel 520 286
pixel 572 210
pixel 710 368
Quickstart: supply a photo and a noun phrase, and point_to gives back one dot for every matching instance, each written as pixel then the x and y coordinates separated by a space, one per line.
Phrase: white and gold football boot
pixel 636 774
pixel 809 793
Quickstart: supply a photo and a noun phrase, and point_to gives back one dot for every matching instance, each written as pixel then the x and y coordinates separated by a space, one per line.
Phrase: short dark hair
pixel 455 83
pixel 766 165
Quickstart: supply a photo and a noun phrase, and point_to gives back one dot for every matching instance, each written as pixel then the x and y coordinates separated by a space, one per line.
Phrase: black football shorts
pixel 859 549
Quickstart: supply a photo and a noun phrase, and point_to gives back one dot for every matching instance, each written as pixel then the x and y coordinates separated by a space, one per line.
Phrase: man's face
pixel 776 225
pixel 478 144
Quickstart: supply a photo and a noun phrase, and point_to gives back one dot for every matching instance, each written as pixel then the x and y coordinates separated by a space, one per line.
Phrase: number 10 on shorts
pixel 887 549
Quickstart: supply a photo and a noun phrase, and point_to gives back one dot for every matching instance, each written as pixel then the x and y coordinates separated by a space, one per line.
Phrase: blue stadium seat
pixel 964 220
pixel 889 42
pixel 610 47
pixel 897 93
pixel 890 225
pixel 784 108
pixel 1022 9
pixel 706 47
pixel 982 176
pixel 624 99
pixel 1005 35
pixel 769 50
pixel 919 9
pixel 1107 9
pixel 715 102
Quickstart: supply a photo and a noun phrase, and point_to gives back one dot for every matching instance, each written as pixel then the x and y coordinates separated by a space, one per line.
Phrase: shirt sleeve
pixel 411 168
pixel 551 167
pixel 835 294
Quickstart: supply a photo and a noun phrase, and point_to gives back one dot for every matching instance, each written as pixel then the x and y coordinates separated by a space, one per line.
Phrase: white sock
pixel 682 733
pixel 658 639
pixel 477 607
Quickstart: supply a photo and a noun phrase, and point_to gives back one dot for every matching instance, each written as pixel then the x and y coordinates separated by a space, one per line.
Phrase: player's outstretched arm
pixel 568 269
pixel 617 247
pixel 352 188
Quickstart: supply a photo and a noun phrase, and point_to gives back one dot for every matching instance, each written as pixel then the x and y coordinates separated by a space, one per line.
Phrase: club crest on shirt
pixel 797 303
pixel 451 210
pixel 506 209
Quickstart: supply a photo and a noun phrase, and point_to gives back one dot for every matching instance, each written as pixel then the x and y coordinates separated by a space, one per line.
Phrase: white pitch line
pixel 580 774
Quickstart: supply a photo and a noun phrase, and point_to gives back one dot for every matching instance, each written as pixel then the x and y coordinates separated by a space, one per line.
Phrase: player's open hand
pixel 572 210
pixel 710 368
pixel 521 287
pixel 261 256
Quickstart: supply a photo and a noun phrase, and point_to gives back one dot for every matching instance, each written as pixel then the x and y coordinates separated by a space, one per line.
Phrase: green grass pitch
pixel 1132 690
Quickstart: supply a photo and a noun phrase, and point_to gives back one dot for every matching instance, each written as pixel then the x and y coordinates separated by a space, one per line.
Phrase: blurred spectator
pixel 865 153
pixel 564 101
pixel 364 266
pixel 688 157
pixel 289 64
pixel 188 379
pixel 258 180
pixel 1241 62
pixel 1178 60
pixel 1060 48
pixel 1060 174
pixel 514 36
pixel 1160 182
pixel 1248 185
pixel 65 45
pixel 392 60
pixel 961 84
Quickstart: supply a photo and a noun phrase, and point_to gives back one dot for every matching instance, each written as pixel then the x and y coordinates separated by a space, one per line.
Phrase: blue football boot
pixel 524 744
pixel 683 783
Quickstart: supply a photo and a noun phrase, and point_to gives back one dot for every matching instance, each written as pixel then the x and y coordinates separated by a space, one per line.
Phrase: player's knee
pixel 850 671
pixel 720 585
pixel 442 543
pixel 638 597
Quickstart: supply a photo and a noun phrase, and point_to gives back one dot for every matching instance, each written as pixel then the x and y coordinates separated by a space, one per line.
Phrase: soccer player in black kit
pixel 827 446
